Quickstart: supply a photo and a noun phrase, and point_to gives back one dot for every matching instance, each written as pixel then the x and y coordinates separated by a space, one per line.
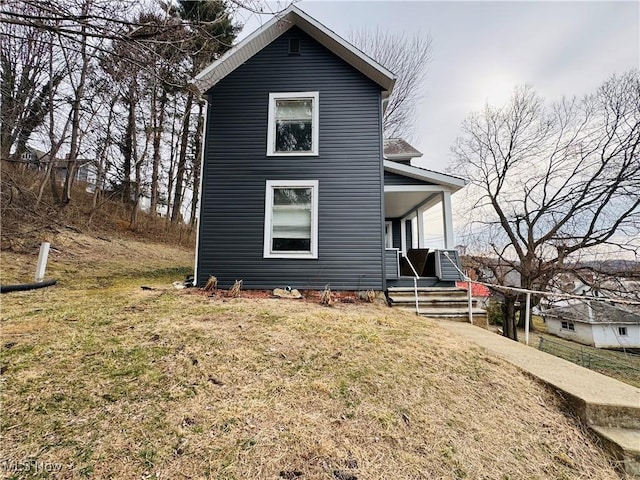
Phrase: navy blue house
pixel 296 187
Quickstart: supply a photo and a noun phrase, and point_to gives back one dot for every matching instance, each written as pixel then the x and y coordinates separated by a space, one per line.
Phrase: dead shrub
pixel 236 289
pixel 325 298
pixel 212 284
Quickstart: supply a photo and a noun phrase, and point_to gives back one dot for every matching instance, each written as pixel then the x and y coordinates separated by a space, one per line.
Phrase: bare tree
pixel 216 36
pixel 27 85
pixel 551 184
pixel 407 58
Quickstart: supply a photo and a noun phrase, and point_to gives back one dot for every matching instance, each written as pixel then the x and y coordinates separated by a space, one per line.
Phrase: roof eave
pixel 399 156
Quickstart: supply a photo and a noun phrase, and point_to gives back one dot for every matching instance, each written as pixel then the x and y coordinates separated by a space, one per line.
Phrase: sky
pixel 481 50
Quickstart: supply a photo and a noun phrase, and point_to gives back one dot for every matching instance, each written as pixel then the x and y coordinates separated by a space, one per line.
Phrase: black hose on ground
pixel 26 286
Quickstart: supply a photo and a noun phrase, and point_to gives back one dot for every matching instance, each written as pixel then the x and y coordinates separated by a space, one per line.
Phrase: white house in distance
pixel 595 323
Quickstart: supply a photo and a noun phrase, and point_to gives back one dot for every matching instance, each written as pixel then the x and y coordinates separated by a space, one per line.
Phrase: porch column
pixel 447 219
pixel 419 214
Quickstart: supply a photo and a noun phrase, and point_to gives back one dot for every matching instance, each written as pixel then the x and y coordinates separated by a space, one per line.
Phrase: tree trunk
pixel 158 127
pixel 172 165
pixel 509 314
pixel 127 147
pixel 182 161
pixel 55 194
pixel 197 165
pixel 136 201
pixel 72 162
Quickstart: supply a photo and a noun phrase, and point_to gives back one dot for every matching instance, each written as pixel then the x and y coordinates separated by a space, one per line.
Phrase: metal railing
pixel 416 277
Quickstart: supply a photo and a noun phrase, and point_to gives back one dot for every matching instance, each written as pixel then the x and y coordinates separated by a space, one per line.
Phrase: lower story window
pixel 622 331
pixel 568 326
pixel 291 219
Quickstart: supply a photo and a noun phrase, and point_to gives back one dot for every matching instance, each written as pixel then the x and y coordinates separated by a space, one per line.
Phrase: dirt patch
pixel 312 296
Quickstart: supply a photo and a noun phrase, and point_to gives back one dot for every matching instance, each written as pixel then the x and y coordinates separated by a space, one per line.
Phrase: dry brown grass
pixel 24 225
pixel 115 382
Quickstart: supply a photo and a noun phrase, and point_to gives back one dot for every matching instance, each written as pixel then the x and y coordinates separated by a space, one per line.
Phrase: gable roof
pixel 278 25
pixel 601 313
pixel 430 176
pixel 399 149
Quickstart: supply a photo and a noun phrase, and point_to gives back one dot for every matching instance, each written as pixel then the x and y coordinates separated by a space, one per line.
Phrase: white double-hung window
pixel 293 124
pixel 291 219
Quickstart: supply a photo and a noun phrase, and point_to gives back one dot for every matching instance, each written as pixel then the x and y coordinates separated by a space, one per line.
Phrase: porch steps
pixel 447 303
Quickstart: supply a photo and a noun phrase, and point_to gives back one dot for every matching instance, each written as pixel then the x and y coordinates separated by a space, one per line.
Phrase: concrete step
pixel 480 318
pixel 445 312
pixel 624 445
pixel 428 289
pixel 404 296
pixel 431 302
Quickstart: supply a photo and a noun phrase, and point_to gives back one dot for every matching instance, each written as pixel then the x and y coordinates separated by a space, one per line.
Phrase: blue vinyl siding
pixel 348 168
pixel 391 259
pixel 396 233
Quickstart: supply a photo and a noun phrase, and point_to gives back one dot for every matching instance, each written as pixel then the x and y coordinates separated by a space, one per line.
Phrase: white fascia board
pixel 416 188
pixel 240 53
pixel 454 183
pixel 278 25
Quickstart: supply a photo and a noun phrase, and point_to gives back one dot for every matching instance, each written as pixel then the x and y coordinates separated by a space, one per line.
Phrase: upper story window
pixel 293 124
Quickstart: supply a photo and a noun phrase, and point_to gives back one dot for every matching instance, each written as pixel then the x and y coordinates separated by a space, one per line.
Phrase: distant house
pixel 595 323
pixel 297 186
pixel 39 160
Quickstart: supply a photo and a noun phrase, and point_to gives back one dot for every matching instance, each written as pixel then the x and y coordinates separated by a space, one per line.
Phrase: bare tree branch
pixel 554 183
pixel 408 59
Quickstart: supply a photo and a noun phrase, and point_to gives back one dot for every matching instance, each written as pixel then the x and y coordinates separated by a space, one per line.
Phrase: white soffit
pixel 454 183
pixel 275 27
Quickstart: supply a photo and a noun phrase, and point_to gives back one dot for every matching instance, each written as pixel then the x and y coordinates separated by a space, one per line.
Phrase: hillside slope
pixel 103 379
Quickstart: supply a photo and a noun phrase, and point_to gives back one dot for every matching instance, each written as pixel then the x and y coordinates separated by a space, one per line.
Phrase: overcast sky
pixel 481 50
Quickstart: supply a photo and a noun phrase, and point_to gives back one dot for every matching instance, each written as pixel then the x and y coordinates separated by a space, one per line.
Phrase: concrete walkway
pixel 611 408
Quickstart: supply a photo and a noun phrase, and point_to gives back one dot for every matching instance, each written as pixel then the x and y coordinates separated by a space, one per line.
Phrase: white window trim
pixel 268 214
pixel 315 125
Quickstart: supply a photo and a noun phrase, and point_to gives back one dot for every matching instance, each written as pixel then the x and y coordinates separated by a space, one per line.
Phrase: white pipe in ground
pixel 526 319
pixel 42 261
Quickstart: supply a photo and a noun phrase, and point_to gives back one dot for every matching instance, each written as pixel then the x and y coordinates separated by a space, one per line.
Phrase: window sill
pixel 301 256
pixel 292 154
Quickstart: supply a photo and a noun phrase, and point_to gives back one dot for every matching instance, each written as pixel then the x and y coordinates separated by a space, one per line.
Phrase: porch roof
pixel 401 199
pixel 428 176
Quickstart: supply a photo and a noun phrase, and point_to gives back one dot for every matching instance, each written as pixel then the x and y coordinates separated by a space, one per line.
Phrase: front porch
pixel 419 227
pixel 437 268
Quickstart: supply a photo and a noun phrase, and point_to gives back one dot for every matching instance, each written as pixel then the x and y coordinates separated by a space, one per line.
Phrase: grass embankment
pixel 109 381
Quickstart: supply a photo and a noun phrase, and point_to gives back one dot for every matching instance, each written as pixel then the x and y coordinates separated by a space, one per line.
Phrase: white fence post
pixel 42 261
pixel 526 319
pixel 470 299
